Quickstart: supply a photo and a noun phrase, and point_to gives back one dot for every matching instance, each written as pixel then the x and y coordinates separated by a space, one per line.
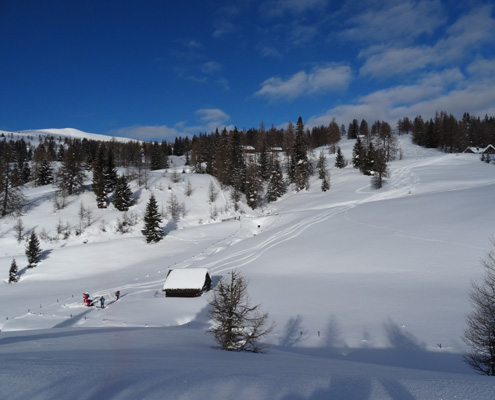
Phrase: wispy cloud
pixel 468 34
pixel 278 8
pixel 392 21
pixel 320 80
pixel 205 120
pixel 194 65
pixel 211 114
pixel 448 90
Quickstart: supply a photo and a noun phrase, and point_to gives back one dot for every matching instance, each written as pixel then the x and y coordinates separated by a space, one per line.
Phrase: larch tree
pixel 479 335
pixel 237 325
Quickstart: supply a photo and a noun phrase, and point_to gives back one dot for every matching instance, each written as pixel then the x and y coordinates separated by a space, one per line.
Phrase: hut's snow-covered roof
pixel 186 278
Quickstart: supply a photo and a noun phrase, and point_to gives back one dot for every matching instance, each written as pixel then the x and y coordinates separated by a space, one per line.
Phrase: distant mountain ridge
pixel 63 133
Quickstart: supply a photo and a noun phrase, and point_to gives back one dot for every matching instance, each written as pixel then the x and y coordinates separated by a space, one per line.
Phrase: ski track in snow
pixel 250 254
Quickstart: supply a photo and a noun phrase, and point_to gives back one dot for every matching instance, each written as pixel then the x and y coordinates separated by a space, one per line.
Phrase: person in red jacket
pixel 117 294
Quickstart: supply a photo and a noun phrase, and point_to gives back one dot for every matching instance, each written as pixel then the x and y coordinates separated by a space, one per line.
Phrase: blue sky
pixel 155 70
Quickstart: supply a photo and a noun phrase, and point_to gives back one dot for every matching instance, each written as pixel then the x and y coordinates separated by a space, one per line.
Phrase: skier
pixel 102 302
pixel 88 302
pixel 117 294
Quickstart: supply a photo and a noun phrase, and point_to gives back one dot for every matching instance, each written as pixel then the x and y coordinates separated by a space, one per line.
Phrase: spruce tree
pixel 33 250
pixel 357 153
pixel 110 172
pixel 253 185
pixel 339 159
pixel 300 163
pixel 44 173
pixel 99 180
pixel 13 277
pixel 276 186
pixel 122 195
pixel 152 220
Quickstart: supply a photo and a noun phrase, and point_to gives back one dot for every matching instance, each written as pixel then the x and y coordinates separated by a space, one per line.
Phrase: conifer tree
pixel 322 165
pixel 44 173
pixel 99 184
pixel 367 163
pixel 110 172
pixel 253 186
pixel 157 157
pixel 33 250
pixel 71 172
pixel 11 197
pixel 357 153
pixel 13 277
pixel 339 159
pixel 379 168
pixel 152 220
pixel 299 160
pixel 276 186
pixel 122 194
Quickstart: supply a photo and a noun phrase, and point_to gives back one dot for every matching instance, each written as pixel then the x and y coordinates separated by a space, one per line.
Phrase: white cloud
pixel 139 132
pixel 277 8
pixel 320 80
pixel 209 120
pixel 468 34
pixel 397 61
pixel 211 67
pixel 211 114
pixel 448 90
pixel 393 21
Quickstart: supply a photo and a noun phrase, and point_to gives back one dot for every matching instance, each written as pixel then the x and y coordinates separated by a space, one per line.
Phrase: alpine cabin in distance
pixel 187 282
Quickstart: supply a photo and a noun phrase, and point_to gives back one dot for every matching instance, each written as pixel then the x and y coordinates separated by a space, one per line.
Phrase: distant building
pixel 187 282
pixel 248 149
pixel 477 150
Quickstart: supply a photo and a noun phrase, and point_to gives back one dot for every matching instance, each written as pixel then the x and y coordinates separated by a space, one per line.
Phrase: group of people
pixel 89 302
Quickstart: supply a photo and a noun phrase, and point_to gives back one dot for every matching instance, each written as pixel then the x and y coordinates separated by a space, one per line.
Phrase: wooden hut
pixel 187 282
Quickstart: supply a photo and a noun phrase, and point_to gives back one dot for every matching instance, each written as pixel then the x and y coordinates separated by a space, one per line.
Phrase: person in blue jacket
pixel 102 302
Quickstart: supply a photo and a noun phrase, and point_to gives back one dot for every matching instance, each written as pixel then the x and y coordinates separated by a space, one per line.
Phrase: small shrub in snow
pixel 125 224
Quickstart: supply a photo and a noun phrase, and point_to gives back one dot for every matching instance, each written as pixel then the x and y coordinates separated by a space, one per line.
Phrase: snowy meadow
pixel 368 288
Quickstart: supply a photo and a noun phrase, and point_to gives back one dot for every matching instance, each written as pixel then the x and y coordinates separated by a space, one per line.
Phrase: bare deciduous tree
pixel 236 324
pixel 479 336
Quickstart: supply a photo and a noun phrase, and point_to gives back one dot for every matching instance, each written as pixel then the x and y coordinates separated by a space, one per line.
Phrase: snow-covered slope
pixel 70 133
pixel 368 290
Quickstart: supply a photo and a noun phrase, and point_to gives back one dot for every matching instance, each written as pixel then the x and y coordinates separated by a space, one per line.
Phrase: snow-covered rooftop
pixel 185 278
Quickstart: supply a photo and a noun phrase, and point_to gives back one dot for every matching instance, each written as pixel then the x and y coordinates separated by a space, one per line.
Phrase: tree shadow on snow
pixel 293 332
pixel 171 226
pixel 72 321
pixel 407 351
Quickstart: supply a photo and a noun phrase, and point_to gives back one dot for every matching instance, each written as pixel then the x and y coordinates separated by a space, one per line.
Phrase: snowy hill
pixel 368 289
pixel 70 133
